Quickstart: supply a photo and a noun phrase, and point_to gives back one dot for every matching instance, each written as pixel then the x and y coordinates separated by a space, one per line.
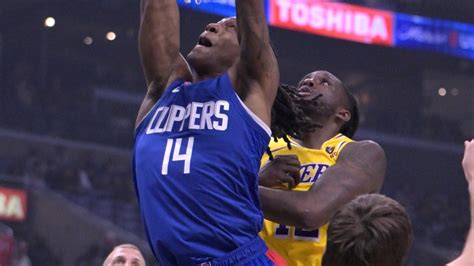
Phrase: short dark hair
pixel 370 230
pixel 350 127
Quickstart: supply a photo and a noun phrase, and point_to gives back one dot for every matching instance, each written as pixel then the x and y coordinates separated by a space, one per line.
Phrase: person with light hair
pixel 370 230
pixel 125 255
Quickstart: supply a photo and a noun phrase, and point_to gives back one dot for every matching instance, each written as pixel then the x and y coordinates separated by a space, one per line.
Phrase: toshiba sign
pixel 12 204
pixel 335 20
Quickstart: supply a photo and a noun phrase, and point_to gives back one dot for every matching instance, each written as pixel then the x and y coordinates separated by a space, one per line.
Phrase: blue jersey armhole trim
pixel 256 122
pixel 173 85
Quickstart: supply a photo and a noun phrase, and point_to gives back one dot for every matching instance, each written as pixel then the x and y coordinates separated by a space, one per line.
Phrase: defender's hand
pixel 284 169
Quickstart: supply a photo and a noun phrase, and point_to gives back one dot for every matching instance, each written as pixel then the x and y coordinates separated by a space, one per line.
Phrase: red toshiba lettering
pixel 335 20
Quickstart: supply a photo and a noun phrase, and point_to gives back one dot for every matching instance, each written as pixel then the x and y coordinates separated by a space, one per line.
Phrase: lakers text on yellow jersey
pixel 298 246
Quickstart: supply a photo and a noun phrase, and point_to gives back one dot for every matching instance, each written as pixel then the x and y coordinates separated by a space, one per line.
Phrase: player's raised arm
pixel 257 74
pixel 360 169
pixel 467 255
pixel 159 49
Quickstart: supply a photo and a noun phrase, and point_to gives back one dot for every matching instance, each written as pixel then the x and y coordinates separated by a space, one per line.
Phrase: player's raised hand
pixel 468 161
pixel 282 170
pixel 467 255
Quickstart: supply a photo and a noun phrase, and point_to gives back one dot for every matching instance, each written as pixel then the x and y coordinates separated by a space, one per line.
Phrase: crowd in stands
pixel 65 105
pixel 26 249
pixel 437 218
pixel 100 182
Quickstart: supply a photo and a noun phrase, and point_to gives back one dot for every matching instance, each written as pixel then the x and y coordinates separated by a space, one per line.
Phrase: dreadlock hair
pixel 288 119
pixel 350 127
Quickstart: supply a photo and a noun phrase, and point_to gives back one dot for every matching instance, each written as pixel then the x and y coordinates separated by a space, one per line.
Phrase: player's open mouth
pixel 304 91
pixel 203 41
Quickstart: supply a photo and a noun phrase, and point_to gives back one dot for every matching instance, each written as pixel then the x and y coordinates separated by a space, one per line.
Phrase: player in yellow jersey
pixel 300 247
pixel 339 168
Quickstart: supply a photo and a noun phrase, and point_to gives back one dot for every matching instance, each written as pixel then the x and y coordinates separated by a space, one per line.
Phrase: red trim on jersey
pixel 276 258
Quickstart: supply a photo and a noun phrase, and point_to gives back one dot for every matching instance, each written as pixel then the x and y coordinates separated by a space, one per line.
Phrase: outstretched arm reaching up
pixel 256 76
pixel 467 256
pixel 159 49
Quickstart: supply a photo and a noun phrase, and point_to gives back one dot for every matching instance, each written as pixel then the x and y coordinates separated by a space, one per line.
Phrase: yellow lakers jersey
pixel 298 246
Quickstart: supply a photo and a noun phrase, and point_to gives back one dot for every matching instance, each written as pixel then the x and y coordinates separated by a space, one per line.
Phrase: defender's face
pixel 320 83
pixel 217 45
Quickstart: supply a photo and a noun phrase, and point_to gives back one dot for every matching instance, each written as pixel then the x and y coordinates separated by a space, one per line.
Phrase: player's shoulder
pixel 336 143
pixel 365 144
pixel 362 147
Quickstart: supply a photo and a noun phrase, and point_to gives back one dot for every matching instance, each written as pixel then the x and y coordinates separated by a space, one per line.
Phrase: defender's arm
pixel 360 169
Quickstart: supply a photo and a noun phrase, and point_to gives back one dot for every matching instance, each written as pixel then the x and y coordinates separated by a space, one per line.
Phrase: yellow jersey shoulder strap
pixel 334 146
pixel 277 145
pixel 274 146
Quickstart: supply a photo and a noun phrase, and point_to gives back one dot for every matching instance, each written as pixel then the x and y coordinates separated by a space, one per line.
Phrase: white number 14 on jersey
pixel 175 145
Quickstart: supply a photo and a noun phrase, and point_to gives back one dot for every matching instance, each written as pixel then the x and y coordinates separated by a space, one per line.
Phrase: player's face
pixel 125 256
pixel 218 45
pixel 324 84
pixel 320 83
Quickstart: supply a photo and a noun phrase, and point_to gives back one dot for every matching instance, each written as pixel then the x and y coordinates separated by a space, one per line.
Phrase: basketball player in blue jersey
pixel 200 133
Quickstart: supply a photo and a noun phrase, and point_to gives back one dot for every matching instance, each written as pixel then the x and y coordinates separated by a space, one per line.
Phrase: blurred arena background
pixel 71 84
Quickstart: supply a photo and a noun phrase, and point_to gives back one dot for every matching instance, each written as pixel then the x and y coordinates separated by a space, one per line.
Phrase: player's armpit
pixel 146 105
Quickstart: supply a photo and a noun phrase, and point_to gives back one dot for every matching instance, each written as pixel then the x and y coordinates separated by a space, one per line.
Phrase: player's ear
pixel 343 114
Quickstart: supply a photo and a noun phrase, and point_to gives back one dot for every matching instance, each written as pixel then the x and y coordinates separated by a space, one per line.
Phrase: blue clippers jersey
pixel 196 161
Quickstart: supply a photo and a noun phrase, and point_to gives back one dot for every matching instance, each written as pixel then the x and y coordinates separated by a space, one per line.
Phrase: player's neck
pixel 208 73
pixel 315 140
pixel 201 77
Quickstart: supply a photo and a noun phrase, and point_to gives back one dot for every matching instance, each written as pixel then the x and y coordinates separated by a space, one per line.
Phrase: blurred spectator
pixel 125 254
pixel 6 244
pixel 84 180
pixel 41 254
pixel 20 255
